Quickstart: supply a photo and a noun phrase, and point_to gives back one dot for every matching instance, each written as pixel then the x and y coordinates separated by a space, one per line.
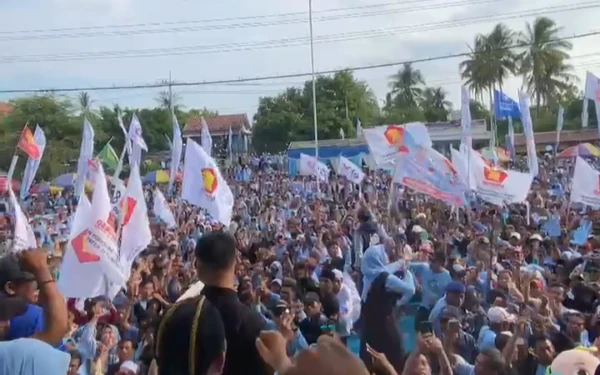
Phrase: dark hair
pixel 190 338
pixel 330 305
pixel 216 251
pixel 133 342
pixel 76 354
pixel 494 360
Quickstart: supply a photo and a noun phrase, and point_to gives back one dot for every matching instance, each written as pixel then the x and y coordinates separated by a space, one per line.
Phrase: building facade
pixel 219 128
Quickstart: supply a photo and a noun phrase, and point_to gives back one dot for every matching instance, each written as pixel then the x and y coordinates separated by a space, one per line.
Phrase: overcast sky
pixel 201 40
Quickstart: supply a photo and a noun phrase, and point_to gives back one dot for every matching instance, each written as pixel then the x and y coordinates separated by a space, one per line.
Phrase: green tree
pixel 435 105
pixel 475 69
pixel 544 62
pixel 405 85
pixel 289 116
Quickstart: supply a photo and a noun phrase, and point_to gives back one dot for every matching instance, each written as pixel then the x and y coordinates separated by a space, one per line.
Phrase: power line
pixel 180 28
pixel 214 20
pixel 290 42
pixel 284 76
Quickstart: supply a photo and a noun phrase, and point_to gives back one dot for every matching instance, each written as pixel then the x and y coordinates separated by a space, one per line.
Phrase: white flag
pixel 161 209
pixel 205 137
pixel 137 141
pixel 23 237
pixel 134 217
pixel 203 184
pixel 99 232
pixel 532 159
pixel 351 171
pixel 586 184
pixel 85 154
pixel 175 152
pixel 126 147
pixel 310 166
pixel 33 164
pixel 465 119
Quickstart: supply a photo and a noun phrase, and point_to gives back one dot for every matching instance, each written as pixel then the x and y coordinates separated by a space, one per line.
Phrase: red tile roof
pixel 6 108
pixel 217 124
pixel 580 135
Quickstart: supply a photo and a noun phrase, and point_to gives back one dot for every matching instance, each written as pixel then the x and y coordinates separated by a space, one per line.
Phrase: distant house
pixel 567 138
pixel 218 127
pixel 5 109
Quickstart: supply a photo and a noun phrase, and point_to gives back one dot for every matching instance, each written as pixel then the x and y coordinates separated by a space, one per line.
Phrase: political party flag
pixel 28 144
pixel 205 137
pixel 586 184
pixel 387 141
pixel 505 106
pixel 176 151
pixel 96 241
pixel 126 147
pixel 85 154
pixel 33 164
pixel 109 156
pixel 350 170
pixel 161 209
pixel 559 125
pixel 310 166
pixel 137 141
pixel 465 118
pixel 203 184
pixel 23 236
pixel 136 235
pixel 532 159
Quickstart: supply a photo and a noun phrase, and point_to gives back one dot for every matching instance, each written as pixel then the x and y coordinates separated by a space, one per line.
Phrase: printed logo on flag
pixel 211 183
pixel 81 246
pixel 394 135
pixel 494 176
pixel 127 208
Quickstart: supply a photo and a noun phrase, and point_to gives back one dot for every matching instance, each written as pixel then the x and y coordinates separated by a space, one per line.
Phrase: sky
pixel 91 43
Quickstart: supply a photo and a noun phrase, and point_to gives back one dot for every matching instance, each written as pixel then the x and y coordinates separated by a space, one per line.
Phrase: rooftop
pixel 217 125
pixel 5 108
pixel 579 135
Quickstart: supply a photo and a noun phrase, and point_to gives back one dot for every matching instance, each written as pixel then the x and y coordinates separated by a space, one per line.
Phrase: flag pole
pixel 314 86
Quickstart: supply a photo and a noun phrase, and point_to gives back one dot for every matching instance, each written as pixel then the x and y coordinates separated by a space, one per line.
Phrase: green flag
pixel 109 156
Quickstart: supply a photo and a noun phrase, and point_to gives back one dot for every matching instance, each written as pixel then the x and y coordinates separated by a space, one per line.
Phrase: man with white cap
pixel 499 321
pixel 128 368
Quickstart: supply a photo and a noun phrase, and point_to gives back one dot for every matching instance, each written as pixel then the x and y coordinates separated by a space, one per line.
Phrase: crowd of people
pixel 317 278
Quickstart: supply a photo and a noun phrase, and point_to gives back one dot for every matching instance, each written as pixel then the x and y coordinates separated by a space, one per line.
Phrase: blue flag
pixel 504 106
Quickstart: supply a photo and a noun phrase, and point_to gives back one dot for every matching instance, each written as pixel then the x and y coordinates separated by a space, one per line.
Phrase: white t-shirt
pixel 31 357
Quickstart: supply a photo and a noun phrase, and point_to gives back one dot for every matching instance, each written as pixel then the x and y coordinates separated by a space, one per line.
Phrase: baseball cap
pixel 129 366
pixel 516 235
pixel 450 312
pixel 11 271
pixel 11 307
pixel 498 314
pixel 455 287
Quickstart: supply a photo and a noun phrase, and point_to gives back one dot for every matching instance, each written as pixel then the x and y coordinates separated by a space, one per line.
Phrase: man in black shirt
pixel 215 263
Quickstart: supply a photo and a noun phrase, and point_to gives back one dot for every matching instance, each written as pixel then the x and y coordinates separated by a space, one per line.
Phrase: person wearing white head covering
pixel 383 289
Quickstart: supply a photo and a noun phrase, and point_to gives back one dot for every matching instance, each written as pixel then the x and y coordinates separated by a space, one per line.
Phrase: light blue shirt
pixel 433 284
pixel 31 357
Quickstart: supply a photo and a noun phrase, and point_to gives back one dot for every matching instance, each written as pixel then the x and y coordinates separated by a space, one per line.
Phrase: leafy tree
pixel 543 63
pixel 405 86
pixel 435 105
pixel 289 116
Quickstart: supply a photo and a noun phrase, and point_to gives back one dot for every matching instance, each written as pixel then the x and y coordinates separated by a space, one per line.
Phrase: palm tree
pixel 405 84
pixel 85 103
pixel 475 70
pixel 543 63
pixel 501 59
pixel 434 104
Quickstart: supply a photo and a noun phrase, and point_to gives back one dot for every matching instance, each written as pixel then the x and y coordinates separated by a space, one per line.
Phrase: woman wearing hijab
pixel 385 285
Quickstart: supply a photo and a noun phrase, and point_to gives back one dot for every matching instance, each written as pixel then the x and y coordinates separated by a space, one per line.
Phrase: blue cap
pixel 455 287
